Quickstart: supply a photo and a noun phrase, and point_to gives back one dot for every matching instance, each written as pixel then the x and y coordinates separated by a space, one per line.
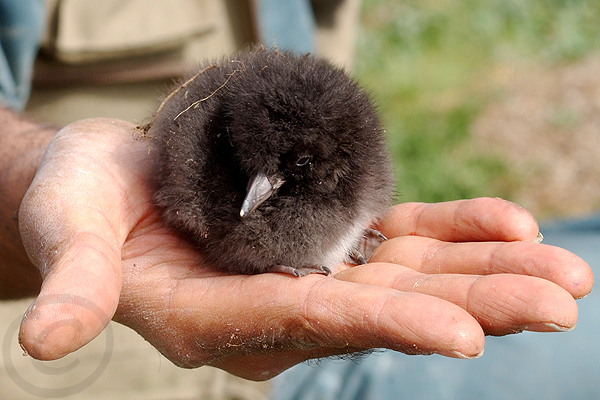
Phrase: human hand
pixel 88 224
pixel 484 256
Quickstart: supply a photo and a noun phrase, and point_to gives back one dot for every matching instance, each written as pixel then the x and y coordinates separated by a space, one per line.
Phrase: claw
pixel 357 257
pixel 374 233
pixel 366 247
pixel 302 271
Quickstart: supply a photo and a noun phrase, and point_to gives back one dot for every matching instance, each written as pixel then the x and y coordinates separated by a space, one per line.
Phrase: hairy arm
pixel 22 145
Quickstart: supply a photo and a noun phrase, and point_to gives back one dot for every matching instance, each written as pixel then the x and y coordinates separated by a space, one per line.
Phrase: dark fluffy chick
pixel 271 162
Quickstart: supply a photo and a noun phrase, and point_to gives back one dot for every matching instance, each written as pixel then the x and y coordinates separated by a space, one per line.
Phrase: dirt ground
pixel 546 123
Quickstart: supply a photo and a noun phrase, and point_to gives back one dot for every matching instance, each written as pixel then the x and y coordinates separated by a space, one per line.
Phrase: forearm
pixel 22 145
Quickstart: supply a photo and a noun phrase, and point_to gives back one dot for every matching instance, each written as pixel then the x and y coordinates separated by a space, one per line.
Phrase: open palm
pixel 450 273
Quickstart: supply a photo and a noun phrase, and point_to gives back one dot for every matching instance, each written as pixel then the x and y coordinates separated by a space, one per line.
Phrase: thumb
pixel 69 224
pixel 79 295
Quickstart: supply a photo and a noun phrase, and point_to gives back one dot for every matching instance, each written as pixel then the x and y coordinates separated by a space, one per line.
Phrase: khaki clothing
pixel 116 58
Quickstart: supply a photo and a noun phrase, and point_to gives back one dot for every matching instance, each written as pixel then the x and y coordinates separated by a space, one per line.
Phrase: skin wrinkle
pixel 407 346
pixel 79 237
pixel 84 237
pixel 308 324
pixel 459 222
pixel 134 216
pixel 143 224
pixel 469 306
pixel 498 263
pixel 494 308
pixel 145 230
pixel 372 323
pixel 482 310
pixel 375 325
pixel 417 215
pixel 113 230
pixel 508 312
pixel 475 225
pixel 347 325
pixel 121 226
pixel 465 300
pixel 398 281
pixel 430 255
pixel 530 265
pixel 493 263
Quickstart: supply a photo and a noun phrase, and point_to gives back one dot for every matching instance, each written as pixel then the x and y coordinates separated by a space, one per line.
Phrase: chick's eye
pixel 304 160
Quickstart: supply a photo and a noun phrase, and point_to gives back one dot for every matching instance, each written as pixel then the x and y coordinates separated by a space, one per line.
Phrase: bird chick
pixel 269 162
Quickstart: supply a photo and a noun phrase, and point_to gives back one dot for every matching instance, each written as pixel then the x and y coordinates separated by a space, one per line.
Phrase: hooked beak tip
pixel 259 189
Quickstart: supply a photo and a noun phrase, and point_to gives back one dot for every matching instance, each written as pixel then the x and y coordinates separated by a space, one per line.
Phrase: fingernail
pixel 458 354
pixel 548 327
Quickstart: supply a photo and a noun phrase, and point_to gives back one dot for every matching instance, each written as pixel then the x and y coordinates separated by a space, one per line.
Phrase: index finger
pixel 482 219
pixel 278 321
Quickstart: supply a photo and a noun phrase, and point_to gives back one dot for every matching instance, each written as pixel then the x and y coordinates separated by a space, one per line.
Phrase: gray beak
pixel 259 189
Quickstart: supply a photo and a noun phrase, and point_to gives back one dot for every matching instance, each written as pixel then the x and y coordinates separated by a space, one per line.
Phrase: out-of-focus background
pixel 489 98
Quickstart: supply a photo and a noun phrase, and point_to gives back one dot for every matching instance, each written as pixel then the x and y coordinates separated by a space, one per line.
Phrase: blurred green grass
pixel 430 65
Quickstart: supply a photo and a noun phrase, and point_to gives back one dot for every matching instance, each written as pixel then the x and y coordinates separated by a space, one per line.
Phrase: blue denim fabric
pixel 287 24
pixel 524 366
pixel 21 26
